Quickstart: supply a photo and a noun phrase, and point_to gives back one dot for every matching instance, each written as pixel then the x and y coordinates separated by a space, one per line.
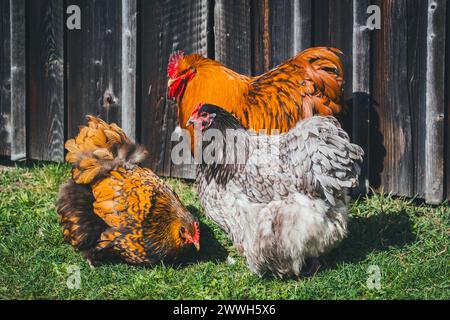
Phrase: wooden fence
pixel 115 66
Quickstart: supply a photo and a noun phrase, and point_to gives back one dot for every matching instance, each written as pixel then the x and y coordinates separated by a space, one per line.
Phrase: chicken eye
pixel 203 114
pixel 182 233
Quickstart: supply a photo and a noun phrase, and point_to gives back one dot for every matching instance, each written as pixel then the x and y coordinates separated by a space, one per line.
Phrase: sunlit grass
pixel 409 242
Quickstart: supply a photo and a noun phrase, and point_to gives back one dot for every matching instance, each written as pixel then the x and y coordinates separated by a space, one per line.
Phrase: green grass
pixel 408 242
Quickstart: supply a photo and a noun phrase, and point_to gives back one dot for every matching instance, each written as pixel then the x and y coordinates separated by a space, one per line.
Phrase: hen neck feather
pixel 157 226
pixel 236 147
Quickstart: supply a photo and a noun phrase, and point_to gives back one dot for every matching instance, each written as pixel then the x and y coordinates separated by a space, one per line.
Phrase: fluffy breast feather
pixel 286 205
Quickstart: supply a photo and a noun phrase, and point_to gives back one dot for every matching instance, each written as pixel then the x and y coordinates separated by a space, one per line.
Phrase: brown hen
pixel 113 208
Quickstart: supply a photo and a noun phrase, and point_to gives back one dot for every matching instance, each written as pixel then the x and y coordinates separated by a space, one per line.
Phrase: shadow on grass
pixel 379 232
pixel 210 248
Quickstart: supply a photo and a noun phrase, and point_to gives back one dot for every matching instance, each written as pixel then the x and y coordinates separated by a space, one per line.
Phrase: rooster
pixel 285 200
pixel 310 83
pixel 113 208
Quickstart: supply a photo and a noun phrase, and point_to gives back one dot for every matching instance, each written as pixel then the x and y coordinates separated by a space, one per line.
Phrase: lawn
pixel 406 241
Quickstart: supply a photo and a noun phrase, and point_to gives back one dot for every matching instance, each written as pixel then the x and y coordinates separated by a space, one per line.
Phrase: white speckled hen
pixel 280 198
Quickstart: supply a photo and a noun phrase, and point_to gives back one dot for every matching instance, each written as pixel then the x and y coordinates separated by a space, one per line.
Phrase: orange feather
pixel 309 83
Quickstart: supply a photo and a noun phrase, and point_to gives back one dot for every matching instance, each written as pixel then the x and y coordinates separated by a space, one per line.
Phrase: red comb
pixel 174 58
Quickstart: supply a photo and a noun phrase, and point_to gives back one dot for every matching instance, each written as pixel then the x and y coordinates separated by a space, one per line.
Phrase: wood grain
pixel 5 79
pixel 166 26
pixel 321 22
pixel 434 102
pixel 46 80
pixel 447 106
pixel 390 92
pixel 94 75
pixel 302 24
pixel 361 95
pixel 340 36
pixel 232 34
pixel 18 81
pixel 281 29
pixel 129 60
pixel 290 27
pixel 417 65
pixel 260 36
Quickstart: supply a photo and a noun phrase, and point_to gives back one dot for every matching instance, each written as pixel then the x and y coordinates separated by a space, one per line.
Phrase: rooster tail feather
pixel 323 58
pixel 100 148
pixel 323 66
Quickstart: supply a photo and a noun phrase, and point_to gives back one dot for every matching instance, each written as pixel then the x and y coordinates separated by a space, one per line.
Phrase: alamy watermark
pixel 236 147
pixel 73 281
pixel 73 21
pixel 374 278
pixel 373 22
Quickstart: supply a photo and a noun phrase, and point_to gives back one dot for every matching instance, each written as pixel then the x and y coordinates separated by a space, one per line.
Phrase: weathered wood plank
pixel 390 89
pixel 166 26
pixel 94 64
pixel 302 25
pixel 340 30
pixel 333 26
pixel 281 30
pixel 5 79
pixel 321 22
pixel 232 34
pixel 260 36
pixel 417 64
pixel 434 102
pixel 129 59
pixel 290 27
pixel 340 36
pixel 46 79
pixel 361 101
pixel 18 81
pixel 447 105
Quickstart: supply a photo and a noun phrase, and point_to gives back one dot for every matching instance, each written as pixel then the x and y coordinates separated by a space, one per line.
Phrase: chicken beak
pixel 197 246
pixel 190 122
pixel 170 82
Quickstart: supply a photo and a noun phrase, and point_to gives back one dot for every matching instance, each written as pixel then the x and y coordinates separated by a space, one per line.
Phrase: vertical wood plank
pixel 340 31
pixel 232 34
pixel 5 79
pixel 260 36
pixel 302 25
pixel 447 105
pixel 417 65
pixel 321 22
pixel 434 100
pixel 390 90
pixel 340 36
pixel 281 30
pixel 290 27
pixel 166 26
pixel 18 81
pixel 333 27
pixel 46 80
pixel 129 38
pixel 361 101
pixel 94 63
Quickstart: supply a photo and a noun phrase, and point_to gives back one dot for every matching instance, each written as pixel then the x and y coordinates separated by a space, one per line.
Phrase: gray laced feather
pixel 288 202
pixel 319 154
